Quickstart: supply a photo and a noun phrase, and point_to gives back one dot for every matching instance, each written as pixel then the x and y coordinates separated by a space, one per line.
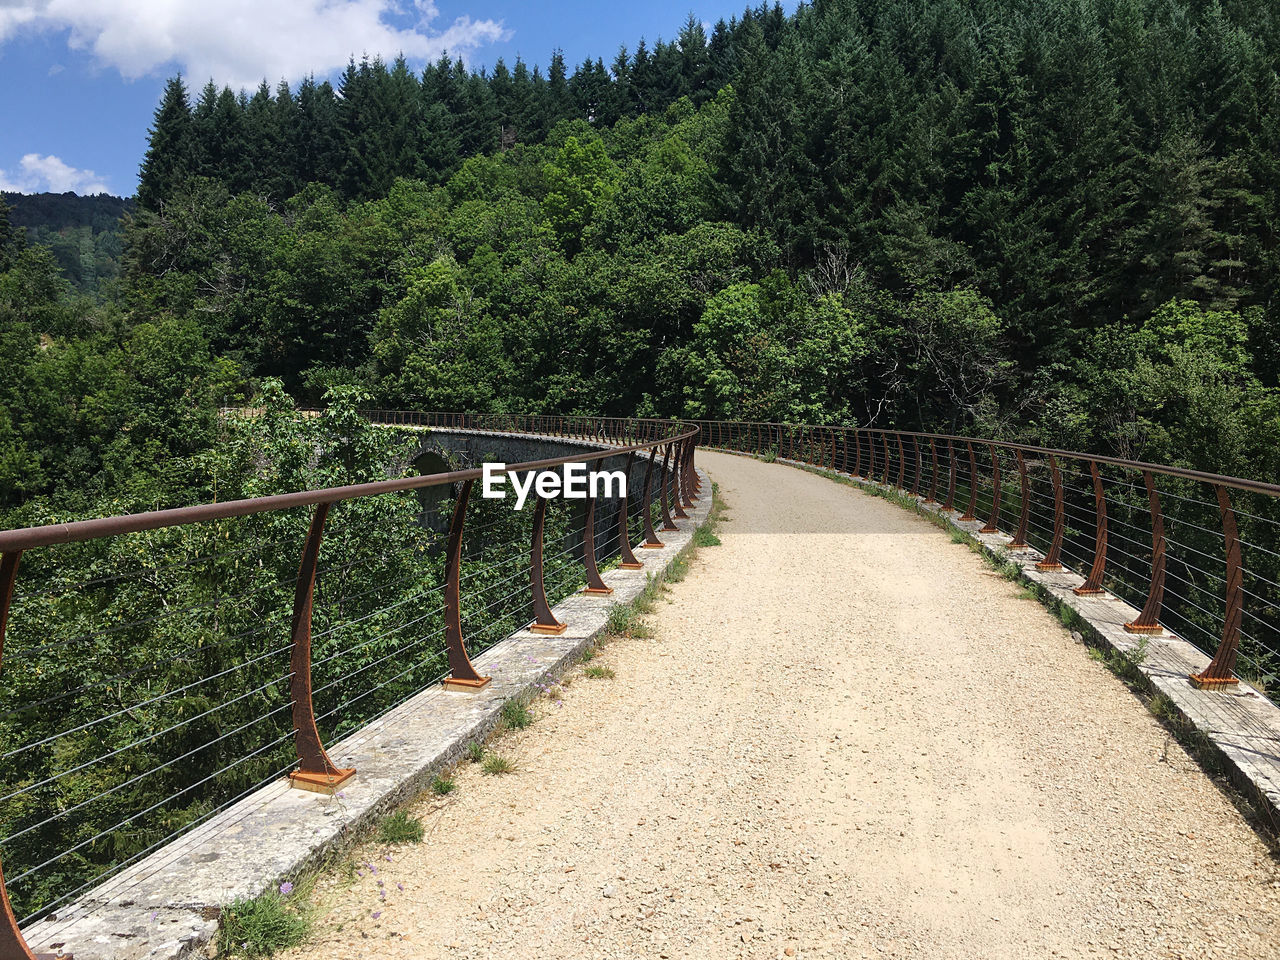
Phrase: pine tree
pixel 170 155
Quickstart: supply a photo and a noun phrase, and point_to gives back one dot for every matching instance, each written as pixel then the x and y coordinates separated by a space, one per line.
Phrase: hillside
pixel 84 233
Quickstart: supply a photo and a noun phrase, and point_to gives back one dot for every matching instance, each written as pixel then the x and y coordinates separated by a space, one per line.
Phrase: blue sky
pixel 81 78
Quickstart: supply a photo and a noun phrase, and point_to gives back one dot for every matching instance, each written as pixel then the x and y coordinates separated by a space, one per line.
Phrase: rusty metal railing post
pixel 462 675
pixel 689 473
pixel 950 505
pixel 12 944
pixel 316 772
pixel 628 559
pixel 1148 621
pixel 1052 560
pixel 933 473
pixel 678 480
pixel 595 585
pixel 993 521
pixel 1024 511
pixel 1093 585
pixel 902 464
pixel 1220 672
pixel 544 620
pixel 973 485
pixel 844 450
pixel 651 541
pixel 884 439
pixel 664 481
pixel 857 453
pixel 919 466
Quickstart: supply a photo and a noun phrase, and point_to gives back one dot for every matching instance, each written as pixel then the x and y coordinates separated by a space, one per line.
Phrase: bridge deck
pixel 847 737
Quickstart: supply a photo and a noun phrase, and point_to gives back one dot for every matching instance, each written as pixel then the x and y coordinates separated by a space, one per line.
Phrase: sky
pixel 80 79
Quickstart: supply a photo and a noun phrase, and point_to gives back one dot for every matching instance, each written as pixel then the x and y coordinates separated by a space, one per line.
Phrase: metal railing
pixel 161 666
pixel 1196 552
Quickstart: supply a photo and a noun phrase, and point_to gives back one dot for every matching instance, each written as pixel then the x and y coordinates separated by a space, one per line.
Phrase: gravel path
pixel 851 741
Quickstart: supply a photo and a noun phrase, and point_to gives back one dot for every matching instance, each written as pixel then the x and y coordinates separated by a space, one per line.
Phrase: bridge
pixel 854 731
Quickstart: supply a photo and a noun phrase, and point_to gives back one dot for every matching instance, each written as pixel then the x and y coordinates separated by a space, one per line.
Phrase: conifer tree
pixel 170 156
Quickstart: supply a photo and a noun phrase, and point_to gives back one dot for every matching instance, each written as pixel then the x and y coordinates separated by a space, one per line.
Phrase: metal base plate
pixel 463 685
pixel 1150 631
pixel 989 530
pixel 598 591
pixel 553 629
pixel 631 566
pixel 653 546
pixel 1087 591
pixel 1201 682
pixel 1048 567
pixel 325 783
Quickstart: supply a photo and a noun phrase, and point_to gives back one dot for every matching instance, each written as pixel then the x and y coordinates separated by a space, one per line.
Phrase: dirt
pixel 846 737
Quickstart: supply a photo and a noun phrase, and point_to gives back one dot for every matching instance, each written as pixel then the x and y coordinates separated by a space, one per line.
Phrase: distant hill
pixel 84 233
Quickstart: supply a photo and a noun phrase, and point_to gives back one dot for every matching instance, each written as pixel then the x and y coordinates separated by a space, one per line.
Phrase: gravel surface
pixel 856 743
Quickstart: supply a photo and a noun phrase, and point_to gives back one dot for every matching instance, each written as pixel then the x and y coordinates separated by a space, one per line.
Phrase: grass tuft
pixel 598 673
pixel 516 715
pixel 441 786
pixel 264 925
pixel 475 751
pixel 496 765
pixel 400 827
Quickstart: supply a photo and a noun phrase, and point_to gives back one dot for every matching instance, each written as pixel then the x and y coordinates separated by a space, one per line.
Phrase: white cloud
pixel 38 174
pixel 239 42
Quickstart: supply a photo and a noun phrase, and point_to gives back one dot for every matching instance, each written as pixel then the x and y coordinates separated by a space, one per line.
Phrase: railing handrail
pixel 1185 473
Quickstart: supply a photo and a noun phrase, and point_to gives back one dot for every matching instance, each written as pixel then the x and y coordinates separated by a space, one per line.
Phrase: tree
pixel 171 152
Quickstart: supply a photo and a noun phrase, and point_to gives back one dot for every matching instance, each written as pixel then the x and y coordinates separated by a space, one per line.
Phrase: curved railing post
pixel 950 505
pixel 973 485
pixel 595 585
pixel 1052 560
pixel 651 541
pixel 844 450
pixel 902 464
pixel 628 561
pixel 915 458
pixel 933 473
pixel 1024 511
pixel 462 675
pixel 664 481
pixel 857 453
pixel 695 482
pixel 12 944
pixel 993 521
pixel 884 439
pixel 544 620
pixel 1093 585
pixel 1220 671
pixel 316 771
pixel 1148 621
pixel 678 480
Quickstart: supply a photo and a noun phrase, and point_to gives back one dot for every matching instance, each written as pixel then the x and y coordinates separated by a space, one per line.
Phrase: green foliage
pixel 596 672
pixel 443 786
pixel 400 827
pixel 516 715
pixel 265 925
pixel 495 764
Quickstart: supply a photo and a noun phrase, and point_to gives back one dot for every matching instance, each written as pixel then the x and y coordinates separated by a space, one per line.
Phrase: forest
pixel 1046 220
